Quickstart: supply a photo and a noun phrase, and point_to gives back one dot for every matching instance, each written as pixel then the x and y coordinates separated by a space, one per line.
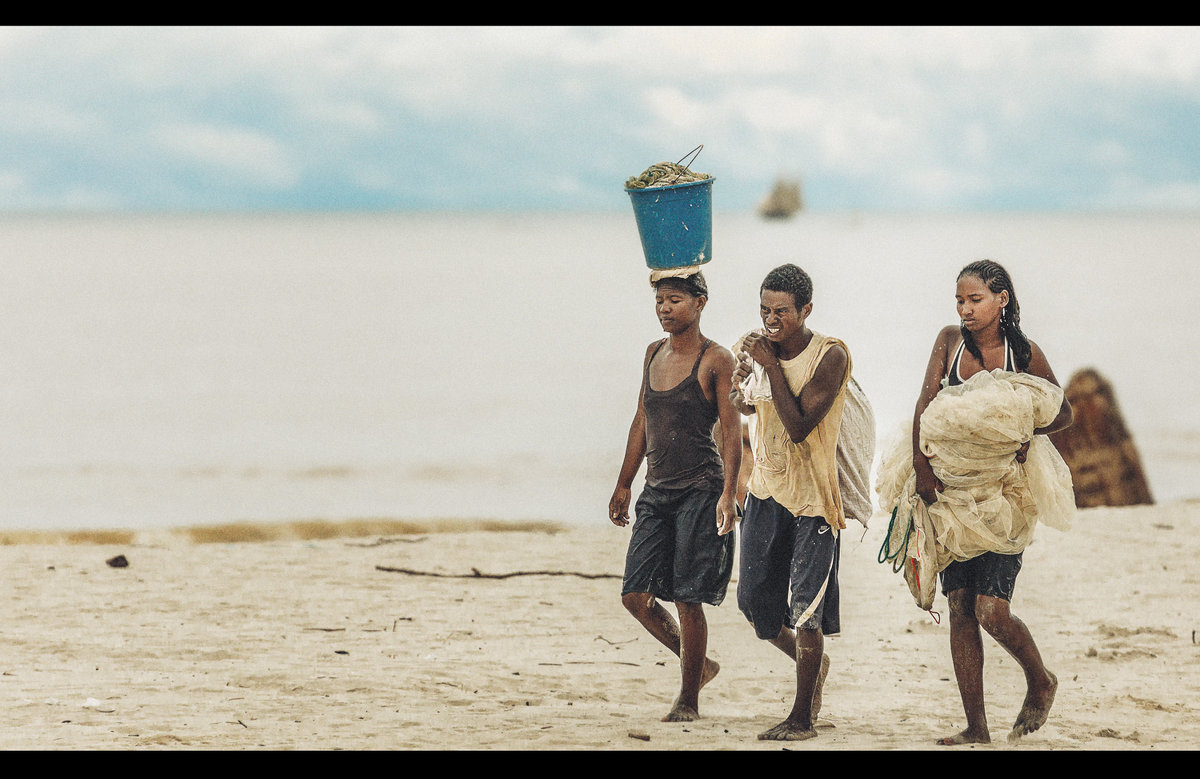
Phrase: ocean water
pixel 169 370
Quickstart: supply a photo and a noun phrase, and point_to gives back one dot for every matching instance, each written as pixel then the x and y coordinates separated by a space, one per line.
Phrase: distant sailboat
pixel 783 201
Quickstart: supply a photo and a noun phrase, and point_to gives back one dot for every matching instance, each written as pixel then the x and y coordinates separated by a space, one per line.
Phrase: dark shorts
pixel 990 573
pixel 674 552
pixel 787 557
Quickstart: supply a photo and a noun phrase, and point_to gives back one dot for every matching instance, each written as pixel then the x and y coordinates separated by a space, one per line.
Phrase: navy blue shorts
pixel 674 551
pixel 787 557
pixel 990 573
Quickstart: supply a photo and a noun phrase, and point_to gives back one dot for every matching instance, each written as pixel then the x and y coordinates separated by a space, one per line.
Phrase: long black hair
pixel 997 279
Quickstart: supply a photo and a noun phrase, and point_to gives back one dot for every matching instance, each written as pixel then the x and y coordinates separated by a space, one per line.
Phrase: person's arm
pixel 801 413
pixel 928 485
pixel 635 452
pixel 1040 367
pixel 742 370
pixel 730 445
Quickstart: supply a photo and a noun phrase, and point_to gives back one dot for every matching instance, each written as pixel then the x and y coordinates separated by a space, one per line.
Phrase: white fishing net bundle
pixel 855 453
pixel 991 502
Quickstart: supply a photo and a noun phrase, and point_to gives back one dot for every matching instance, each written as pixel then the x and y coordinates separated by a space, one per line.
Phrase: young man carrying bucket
pixel 681 548
pixel 787 580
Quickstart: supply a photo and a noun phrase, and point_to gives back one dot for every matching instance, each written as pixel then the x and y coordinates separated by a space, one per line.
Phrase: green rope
pixel 885 551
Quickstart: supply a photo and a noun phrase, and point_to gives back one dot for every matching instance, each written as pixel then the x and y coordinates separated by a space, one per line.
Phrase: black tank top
pixel 680 450
pixel 952 376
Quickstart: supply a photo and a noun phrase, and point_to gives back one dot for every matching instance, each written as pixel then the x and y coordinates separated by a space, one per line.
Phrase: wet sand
pixel 308 636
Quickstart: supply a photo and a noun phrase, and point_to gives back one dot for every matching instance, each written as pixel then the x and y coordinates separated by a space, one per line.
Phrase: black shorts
pixel 990 574
pixel 789 571
pixel 674 552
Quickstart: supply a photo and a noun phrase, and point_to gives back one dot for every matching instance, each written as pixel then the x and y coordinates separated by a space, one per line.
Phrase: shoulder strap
pixel 655 352
pixel 646 367
pixel 953 369
pixel 699 357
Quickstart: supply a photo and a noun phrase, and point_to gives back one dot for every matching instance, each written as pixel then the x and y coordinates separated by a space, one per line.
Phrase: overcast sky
pixel 335 118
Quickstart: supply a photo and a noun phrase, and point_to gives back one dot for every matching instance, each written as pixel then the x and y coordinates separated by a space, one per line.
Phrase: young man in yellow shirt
pixel 792 382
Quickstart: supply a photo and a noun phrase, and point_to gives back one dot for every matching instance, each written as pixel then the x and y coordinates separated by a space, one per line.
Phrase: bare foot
pixel 817 693
pixel 684 712
pixel 966 737
pixel 681 712
pixel 788 731
pixel 1035 710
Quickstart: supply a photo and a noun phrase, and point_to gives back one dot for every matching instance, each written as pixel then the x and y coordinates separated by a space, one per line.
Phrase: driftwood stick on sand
pixel 477 574
pixel 383 541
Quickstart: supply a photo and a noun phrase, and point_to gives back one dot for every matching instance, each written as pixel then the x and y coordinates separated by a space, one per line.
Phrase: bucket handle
pixel 694 153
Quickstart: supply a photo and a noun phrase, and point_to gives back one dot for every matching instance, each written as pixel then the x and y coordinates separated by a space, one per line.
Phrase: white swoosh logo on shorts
pixel 822 528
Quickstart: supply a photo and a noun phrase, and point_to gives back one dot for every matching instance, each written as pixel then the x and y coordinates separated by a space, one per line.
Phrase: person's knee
pixel 635 602
pixel 690 610
pixel 961 601
pixel 962 606
pixel 992 613
pixel 808 637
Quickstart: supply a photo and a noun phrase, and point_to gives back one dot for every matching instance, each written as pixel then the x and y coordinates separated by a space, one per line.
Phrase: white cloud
pixel 675 110
pixel 871 107
pixel 29 117
pixel 17 193
pixel 1164 54
pixel 1109 154
pixel 977 142
pixel 776 109
pixel 686 51
pixel 345 115
pixel 250 157
pixel 88 198
pixel 565 185
pixel 12 182
pixel 839 131
pixel 940 187
pixel 373 179
pixel 1130 193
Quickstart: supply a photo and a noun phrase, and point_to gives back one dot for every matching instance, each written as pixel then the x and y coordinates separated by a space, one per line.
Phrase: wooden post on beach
pixel 1105 467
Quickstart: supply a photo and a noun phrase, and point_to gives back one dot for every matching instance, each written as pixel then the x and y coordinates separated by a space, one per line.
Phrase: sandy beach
pixel 311 636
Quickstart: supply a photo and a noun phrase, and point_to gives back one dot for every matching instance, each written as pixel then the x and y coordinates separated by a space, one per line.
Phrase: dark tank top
pixel 953 377
pixel 680 450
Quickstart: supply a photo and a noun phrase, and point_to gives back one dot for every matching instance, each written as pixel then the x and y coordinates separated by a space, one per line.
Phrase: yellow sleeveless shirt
pixel 801 477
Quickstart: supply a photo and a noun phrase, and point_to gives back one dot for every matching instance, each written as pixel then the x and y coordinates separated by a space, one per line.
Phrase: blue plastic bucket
pixel 675 223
